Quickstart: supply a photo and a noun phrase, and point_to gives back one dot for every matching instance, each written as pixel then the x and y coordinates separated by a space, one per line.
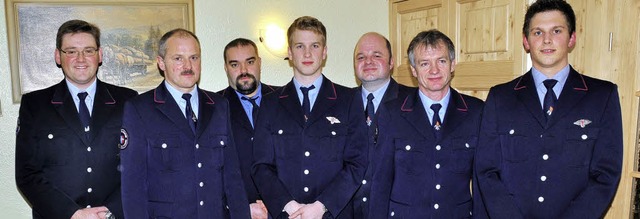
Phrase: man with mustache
pixel 178 155
pixel 244 93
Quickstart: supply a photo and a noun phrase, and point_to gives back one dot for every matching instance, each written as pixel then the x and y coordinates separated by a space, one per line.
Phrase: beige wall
pixel 218 22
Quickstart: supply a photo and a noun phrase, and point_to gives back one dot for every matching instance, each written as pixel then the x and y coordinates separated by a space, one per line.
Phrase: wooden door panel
pixel 489 44
pixel 408 18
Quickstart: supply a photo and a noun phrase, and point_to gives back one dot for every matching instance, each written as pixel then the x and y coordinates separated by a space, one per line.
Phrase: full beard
pixel 246 87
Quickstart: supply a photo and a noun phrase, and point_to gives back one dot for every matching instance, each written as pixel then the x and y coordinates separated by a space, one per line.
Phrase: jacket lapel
pixel 413 111
pixel 103 106
pixel 206 109
pixel 573 91
pixel 390 94
pixel 526 92
pixel 237 110
pixel 326 99
pixel 168 106
pixel 288 99
pixel 66 108
pixel 456 113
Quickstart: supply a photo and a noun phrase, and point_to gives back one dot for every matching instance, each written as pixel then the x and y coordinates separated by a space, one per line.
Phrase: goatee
pixel 247 87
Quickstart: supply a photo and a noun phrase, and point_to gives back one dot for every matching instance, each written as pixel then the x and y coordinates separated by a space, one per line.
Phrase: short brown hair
pixel 307 23
pixel 77 26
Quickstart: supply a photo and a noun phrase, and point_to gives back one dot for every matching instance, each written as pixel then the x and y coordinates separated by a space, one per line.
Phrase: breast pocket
pixel 462 152
pixel 286 143
pixel 514 146
pixel 213 150
pixel 328 140
pixel 168 152
pixel 54 143
pixel 410 158
pixel 579 144
pixel 411 165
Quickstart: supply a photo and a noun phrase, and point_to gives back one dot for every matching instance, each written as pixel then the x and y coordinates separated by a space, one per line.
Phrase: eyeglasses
pixel 87 52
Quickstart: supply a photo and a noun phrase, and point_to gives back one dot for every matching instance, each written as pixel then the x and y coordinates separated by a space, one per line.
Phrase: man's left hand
pixel 258 210
pixel 311 211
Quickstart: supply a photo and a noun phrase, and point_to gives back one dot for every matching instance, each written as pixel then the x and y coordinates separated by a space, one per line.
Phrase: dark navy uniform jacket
pixel 168 172
pixel 243 136
pixel 57 169
pixel 362 197
pixel 566 168
pixel 420 176
pixel 323 159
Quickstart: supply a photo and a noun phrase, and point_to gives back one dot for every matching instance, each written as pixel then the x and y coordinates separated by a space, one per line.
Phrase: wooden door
pixel 607 48
pixel 488 38
pixel 407 19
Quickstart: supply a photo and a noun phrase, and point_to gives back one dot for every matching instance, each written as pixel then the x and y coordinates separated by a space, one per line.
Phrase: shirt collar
pixel 378 95
pixel 257 96
pixel 177 96
pixel 427 102
pixel 317 83
pixel 91 90
pixel 561 77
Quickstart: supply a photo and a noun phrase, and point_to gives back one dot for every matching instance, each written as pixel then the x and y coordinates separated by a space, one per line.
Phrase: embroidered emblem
pixel 124 139
pixel 333 120
pixel 582 122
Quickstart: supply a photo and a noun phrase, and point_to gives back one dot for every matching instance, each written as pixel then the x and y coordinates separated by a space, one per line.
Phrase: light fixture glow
pixel 274 39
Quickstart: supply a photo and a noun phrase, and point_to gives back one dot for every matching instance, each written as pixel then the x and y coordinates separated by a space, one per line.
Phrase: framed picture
pixel 130 31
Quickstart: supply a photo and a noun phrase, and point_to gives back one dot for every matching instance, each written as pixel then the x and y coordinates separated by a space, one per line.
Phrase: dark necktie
pixel 191 118
pixel 306 105
pixel 85 117
pixel 369 112
pixel 549 98
pixel 254 110
pixel 437 123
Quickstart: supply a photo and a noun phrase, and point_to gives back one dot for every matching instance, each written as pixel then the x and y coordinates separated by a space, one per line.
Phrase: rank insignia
pixel 333 120
pixel 437 126
pixel 582 122
pixel 124 139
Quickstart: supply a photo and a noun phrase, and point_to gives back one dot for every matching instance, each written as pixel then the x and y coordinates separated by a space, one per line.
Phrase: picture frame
pixel 130 30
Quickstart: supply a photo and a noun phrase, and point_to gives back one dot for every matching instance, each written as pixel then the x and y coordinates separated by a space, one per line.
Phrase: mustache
pixel 245 75
pixel 187 72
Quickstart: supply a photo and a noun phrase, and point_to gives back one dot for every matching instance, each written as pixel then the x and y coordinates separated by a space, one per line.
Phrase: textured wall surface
pixel 218 22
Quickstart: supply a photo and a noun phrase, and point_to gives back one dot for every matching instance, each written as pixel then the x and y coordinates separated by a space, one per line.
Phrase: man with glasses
pixel 67 134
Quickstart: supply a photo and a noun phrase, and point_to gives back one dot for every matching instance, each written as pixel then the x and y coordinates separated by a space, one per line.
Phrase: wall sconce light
pixel 274 39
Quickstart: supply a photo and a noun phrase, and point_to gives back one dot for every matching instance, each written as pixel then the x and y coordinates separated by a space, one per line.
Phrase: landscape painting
pixel 130 32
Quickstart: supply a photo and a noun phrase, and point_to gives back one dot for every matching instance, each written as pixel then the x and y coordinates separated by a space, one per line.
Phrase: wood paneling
pixel 607 48
pixel 486 36
pixel 407 19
